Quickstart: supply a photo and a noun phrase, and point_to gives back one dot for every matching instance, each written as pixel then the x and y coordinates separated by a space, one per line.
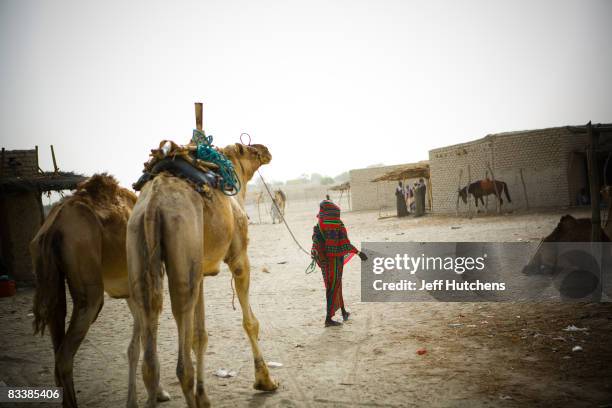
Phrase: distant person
pixel 331 249
pixel 402 210
pixel 327 197
pixel 409 195
pixel 583 198
pixel 424 187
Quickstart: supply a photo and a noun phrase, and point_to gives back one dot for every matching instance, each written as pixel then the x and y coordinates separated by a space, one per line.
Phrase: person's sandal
pixel 345 316
pixel 329 323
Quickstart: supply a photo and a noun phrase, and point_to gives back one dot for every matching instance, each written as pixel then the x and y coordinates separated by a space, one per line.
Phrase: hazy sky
pixel 326 85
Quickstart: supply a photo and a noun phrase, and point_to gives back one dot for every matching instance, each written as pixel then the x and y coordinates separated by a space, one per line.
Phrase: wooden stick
pixel 524 188
pixel 37 165
pixel 198 115
pixel 2 164
pixel 495 185
pixel 55 169
pixel 593 138
pixel 467 191
pixel 458 189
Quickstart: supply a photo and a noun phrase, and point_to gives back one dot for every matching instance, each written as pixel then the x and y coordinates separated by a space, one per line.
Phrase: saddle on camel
pixel 188 219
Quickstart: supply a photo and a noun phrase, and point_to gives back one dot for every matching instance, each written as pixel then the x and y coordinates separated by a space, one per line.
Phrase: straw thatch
pixel 47 181
pixel 341 187
pixel 409 171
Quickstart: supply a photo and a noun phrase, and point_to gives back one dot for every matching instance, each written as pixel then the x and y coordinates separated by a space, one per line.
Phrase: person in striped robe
pixel 331 250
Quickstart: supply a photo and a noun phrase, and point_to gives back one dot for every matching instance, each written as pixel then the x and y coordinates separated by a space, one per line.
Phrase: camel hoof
pixel 163 396
pixel 202 401
pixel 267 384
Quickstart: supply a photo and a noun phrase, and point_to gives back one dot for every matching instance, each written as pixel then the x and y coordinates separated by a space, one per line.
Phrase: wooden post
pixel 487 196
pixel 458 189
pixel 37 163
pixel 467 191
pixel 593 138
pixel 430 194
pixel 524 188
pixel 2 164
pixel 198 115
pixel 55 169
pixel 498 206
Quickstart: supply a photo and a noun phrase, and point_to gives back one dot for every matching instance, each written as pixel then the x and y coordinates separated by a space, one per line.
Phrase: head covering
pixel 333 231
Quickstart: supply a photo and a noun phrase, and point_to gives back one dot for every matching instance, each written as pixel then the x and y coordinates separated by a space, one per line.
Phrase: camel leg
pixel 241 270
pixel 184 283
pixel 84 312
pixel 133 356
pixel 200 342
pixel 57 327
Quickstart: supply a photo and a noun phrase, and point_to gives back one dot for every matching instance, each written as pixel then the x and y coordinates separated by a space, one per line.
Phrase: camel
pixel 82 242
pixel 569 229
pixel 277 210
pixel 174 226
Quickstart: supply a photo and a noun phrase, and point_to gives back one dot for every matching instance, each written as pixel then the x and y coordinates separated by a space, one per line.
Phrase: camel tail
pixel 50 298
pixel 151 248
pixel 507 193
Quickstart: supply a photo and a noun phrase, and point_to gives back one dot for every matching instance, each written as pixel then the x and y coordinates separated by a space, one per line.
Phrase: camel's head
pixel 256 153
pixel 463 194
pixel 247 158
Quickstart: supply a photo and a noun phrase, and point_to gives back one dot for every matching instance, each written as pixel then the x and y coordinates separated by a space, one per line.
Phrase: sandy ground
pixel 500 355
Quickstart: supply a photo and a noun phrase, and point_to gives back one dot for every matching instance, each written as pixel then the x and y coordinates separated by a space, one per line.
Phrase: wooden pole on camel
pixel 198 115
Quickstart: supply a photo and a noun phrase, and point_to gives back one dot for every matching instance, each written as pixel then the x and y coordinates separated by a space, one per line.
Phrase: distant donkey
pixel 482 188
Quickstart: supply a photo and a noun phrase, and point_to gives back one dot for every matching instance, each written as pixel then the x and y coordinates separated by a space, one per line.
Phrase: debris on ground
pixel 223 373
pixel 281 262
pixel 421 351
pixel 576 348
pixel 572 328
pixel 455 324
pixel 264 269
pixel 274 364
pixel 455 227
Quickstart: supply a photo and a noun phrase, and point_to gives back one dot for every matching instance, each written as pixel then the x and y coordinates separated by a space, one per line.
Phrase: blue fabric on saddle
pixel 200 163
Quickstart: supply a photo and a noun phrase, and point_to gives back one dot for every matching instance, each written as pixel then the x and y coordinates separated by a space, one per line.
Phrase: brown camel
pixel 569 229
pixel 82 242
pixel 174 226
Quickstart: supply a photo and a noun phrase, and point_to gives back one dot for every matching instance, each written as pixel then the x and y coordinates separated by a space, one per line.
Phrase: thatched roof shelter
pixel 409 171
pixel 42 182
pixel 341 187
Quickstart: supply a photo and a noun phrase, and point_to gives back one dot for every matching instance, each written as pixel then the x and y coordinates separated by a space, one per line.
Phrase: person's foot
pixel 345 316
pixel 330 322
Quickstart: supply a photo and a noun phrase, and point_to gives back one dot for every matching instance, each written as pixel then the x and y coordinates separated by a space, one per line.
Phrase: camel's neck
pixel 245 169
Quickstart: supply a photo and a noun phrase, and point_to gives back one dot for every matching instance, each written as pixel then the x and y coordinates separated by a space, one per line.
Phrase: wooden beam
pixel 593 140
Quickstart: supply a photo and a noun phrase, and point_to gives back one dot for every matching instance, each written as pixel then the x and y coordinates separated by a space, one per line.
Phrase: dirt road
pixel 497 354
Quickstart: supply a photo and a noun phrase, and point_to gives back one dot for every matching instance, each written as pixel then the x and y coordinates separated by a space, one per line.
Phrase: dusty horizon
pixel 328 87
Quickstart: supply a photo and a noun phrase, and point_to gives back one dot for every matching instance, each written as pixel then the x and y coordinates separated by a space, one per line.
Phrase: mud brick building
pixel 552 162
